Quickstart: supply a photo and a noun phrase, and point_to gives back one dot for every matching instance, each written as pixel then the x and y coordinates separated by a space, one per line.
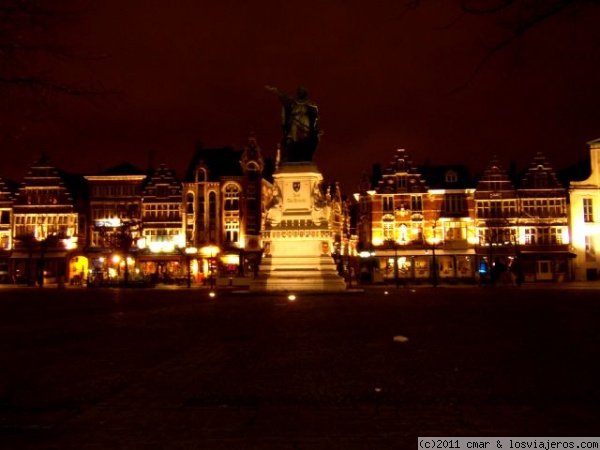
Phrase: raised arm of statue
pixel 299 121
pixel 284 98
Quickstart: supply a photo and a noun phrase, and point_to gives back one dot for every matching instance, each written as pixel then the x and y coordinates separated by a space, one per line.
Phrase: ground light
pixel 212 294
pixel 291 297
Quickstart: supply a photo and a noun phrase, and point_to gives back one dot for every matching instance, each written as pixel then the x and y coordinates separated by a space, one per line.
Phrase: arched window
pixel 231 208
pixel 451 176
pixel 189 203
pixel 232 198
pixel 540 178
pixel 212 206
pixel 200 175
pixel 403 231
pixel 212 216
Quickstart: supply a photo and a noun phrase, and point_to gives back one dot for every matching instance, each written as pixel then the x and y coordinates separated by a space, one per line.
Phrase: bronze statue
pixel 300 125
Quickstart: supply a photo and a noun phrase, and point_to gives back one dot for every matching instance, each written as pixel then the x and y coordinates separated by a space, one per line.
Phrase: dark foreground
pixel 158 369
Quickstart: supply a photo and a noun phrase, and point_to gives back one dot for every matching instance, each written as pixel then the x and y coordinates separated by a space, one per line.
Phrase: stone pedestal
pixel 298 238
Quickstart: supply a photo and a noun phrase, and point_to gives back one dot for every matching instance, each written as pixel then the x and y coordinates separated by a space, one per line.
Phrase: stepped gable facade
pixel 45 225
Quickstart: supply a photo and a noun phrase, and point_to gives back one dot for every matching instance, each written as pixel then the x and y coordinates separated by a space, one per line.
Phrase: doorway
pixel 544 270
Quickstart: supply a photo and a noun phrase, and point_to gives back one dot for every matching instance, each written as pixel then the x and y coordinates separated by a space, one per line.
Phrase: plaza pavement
pixel 172 368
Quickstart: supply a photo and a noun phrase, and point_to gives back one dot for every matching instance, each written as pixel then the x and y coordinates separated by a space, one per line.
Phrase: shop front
pixel 106 268
pixel 512 265
pixel 38 267
pixel 425 265
pixel 547 266
pixel 78 270
pixel 163 268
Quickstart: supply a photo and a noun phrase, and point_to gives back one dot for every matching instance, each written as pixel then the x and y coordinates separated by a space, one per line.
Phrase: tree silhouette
pixel 29 41
pixel 121 239
pixel 37 247
pixel 515 17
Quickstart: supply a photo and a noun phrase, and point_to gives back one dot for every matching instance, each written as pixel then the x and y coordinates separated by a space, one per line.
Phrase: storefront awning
pixel 37 255
pixel 143 258
pixel 549 253
pixel 425 252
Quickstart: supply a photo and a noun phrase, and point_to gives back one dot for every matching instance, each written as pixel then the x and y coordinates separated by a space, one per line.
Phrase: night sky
pixel 194 71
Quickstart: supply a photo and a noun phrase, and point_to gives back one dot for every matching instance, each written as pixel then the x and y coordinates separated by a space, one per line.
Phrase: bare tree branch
pixel 29 40
pixel 516 17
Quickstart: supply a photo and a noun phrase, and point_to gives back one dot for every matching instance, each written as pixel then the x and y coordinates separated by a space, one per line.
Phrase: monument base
pixel 297 239
pixel 298 274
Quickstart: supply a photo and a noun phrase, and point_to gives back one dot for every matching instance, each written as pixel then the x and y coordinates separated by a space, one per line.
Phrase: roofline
pixel 114 177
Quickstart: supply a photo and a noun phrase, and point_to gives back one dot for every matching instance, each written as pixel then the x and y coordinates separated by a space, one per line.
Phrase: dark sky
pixel 194 70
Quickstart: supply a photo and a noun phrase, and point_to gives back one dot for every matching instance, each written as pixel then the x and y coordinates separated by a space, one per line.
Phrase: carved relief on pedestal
pixel 274 207
pixel 320 206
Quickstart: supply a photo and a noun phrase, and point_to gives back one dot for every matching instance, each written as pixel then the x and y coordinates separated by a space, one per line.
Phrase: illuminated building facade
pixel 426 223
pixel 415 223
pixel 162 254
pixel 223 207
pixel 115 200
pixel 433 223
pixel 523 232
pixel 45 226
pixel 344 244
pixel 585 220
pixel 542 225
pixel 497 210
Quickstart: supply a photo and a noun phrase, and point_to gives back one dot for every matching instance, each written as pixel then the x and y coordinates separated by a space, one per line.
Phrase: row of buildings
pixel 407 222
pixel 127 225
pixel 435 223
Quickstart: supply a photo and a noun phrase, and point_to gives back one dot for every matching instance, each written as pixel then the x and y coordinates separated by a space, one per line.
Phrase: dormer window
pixel 451 176
pixel 540 179
pixel 402 182
pixel 200 175
pixel 162 191
pixel 252 166
pixel 190 203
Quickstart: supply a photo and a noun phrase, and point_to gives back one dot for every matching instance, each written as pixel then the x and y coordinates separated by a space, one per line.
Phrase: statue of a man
pixel 300 126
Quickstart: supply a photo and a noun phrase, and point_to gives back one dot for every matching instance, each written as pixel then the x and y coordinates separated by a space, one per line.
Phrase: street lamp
pixel 518 251
pixel 434 268
pixel 433 241
pixel 189 251
pixel 392 242
pixel 396 264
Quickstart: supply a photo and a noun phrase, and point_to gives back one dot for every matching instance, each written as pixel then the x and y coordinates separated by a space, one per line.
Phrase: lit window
pixel 454 231
pixel 388 228
pixel 590 249
pixel 588 212
pixel 232 231
pixel 232 198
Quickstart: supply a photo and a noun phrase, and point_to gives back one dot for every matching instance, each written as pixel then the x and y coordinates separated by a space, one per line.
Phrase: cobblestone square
pixel 176 369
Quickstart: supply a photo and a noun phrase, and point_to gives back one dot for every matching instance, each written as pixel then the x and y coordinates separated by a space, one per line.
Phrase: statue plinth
pixel 298 237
